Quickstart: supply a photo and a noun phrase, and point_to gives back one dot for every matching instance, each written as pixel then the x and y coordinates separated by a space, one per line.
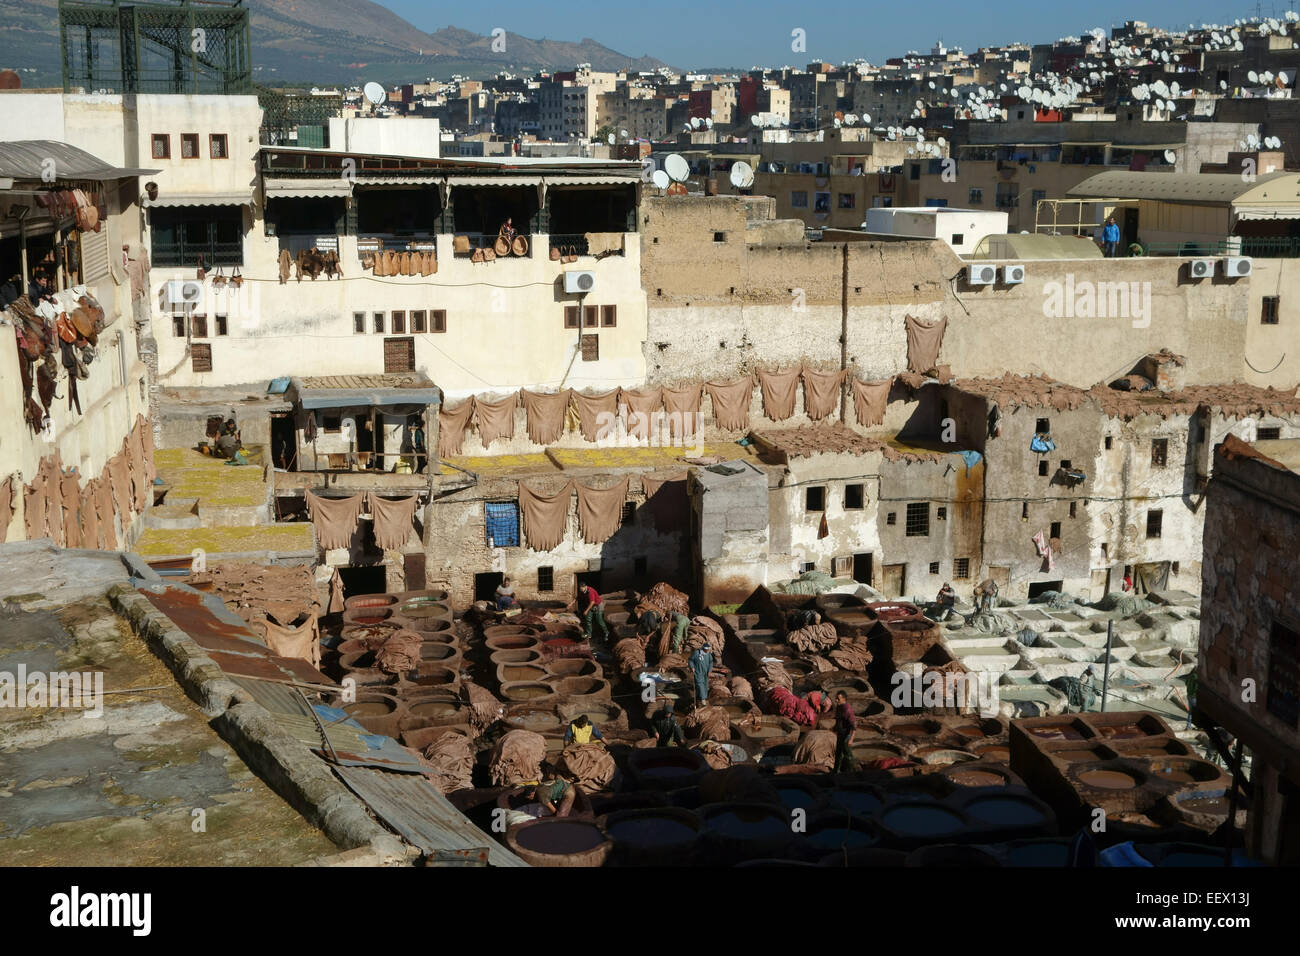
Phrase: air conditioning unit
pixel 981 275
pixel 185 292
pixel 578 282
pixel 1013 275
pixel 1236 266
pixel 1200 268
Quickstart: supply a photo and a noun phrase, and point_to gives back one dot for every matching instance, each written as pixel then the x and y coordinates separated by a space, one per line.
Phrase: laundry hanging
pixel 596 414
pixel 682 406
pixel 70 501
pixel 1044 551
pixel 545 414
pixel 393 521
pixel 731 403
pixel 495 419
pixel 821 391
pixel 642 404
pixel 104 510
pixel 779 393
pixel 335 519
pixel 870 401
pixel 452 423
pixel 923 342
pixel 545 517
pixel 600 511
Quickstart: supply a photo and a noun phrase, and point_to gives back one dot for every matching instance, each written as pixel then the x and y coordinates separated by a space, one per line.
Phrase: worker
pixel 846 726
pixel 986 595
pixel 556 795
pixel 797 620
pixel 947 599
pixel 701 661
pixel 1110 238
pixel 582 731
pixel 228 443
pixel 591 606
pixel 648 623
pixel 820 701
pixel 417 443
pixel 505 594
pixel 681 623
pixel 1127 584
pixel 508 230
pixel 667 731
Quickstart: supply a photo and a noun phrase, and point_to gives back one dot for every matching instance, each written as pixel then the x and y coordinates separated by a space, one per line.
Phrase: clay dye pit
pixel 435 708
pixel 1085 755
pixel 371 708
pixel 836 838
pixel 559 837
pixel 918 821
pixel 1005 812
pixel 763 731
pixel 1209 804
pixel 527 691
pixel 1056 732
pixel 977 778
pixel 651 831
pixel 1108 779
pixel 867 754
pixel 995 752
pixel 858 802
pixel 911 730
pixel 1123 732
pixel 796 798
pixel 747 824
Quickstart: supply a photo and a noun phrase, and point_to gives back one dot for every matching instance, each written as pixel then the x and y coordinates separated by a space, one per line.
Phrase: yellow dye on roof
pixel 160 542
pixel 500 464
pixel 189 474
pixel 650 459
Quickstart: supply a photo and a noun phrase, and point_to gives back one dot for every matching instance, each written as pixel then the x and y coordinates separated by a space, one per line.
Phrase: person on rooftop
pixel 1110 237
pixel 986 595
pixel 947 599
pixel 228 442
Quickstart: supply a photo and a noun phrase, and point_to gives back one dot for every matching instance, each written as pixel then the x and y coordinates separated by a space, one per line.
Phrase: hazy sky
pixel 758 32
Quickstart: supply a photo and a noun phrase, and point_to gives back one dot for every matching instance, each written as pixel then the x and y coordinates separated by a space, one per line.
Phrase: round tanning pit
pixel 435 675
pixel 573 667
pixel 980 729
pixel 370 616
pixel 912 727
pixel 422 610
pixel 665 768
pixel 378 713
pixel 1007 811
pixel 858 801
pixel 998 752
pixel 917 821
pixel 369 601
pixel 581 688
pixel 435 652
pixel 942 756
pixel 526 655
pixel 527 691
pixel 436 595
pixel 1109 779
pixel 834 833
pixel 745 831
pixel 559 842
pixel 514 673
pixel 654 836
pixel 1184 770
pixel 978 775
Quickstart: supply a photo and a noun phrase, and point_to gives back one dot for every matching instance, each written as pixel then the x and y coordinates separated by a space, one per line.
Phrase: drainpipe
pixel 844 330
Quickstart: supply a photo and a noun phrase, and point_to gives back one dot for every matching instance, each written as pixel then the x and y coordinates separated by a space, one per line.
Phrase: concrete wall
pixel 730 515
pixel 390 136
pixel 1273 351
pixel 238 117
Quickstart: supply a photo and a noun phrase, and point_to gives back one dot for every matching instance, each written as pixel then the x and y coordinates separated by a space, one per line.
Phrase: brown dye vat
pixel 527 655
pixel 572 667
pixel 421 737
pixel 369 601
pixel 360 666
pixel 738 709
pixel 993 752
pixel 942 756
pixel 1064 730
pixel 915 728
pixel 1128 726
pixel 761 733
pixel 513 642
pixel 371 708
pixel 909 638
pixel 894 610
pixel 436 595
pixel 798 670
pixel 984 728
pixel 616 618
pixel 351 647
pixel 1184 770
pixel 531 691
pixel 838 601
pixel 580 687
pixel 602 713
pixel 431 625
pixel 421 611
pixel 513 673
pixel 435 675
pixel 537 719
pixel 1082 754
pixel 564 842
pixel 865 752
pixel 1145 748
pixel 969 776
pixel 1108 779
pixel 435 652
pixel 379 714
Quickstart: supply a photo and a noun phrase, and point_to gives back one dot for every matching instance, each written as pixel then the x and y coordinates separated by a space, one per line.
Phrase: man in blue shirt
pixel 1110 238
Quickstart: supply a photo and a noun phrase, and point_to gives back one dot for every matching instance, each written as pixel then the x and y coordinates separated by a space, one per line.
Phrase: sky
pixel 696 33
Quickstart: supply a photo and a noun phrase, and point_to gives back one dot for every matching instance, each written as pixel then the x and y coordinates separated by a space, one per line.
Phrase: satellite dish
pixel 611 139
pixel 695 122
pixel 677 168
pixel 1170 156
pixel 1223 84
pixel 708 123
pixel 375 94
pixel 660 179
pixel 742 175
pixel 755 120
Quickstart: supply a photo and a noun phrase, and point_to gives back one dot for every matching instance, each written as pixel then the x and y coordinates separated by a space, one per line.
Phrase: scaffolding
pixel 109 46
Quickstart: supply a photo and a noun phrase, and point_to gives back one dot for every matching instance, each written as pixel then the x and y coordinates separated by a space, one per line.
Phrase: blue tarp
pixel 502 520
pixel 1042 444
pixel 972 458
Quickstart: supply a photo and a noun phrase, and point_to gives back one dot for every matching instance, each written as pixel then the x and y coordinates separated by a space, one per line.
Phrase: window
pixel 1268 434
pixel 572 315
pixel 918 519
pixel 1055 531
pixel 378 328
pixel 1155 518
pixel 934 567
pixel 1043 426
pixel 1024 511
pixel 799 199
pixel 941 513
pixel 961 568
pixel 180 235
pixel 1268 316
pixel 976 196
pixel 608 316
pixel 201 358
pixel 419 321
pixel 1042 466
pixel 189 145
pixel 1159 451
pixel 1074 513
pixel 1283 699
pixel 591 348
pixel 1037 196
pixel 1105 551
pixel 399 355
pixel 938 203
pixel 331 423
pixel 958 238
pixel 882 202
pixel 809 566
pixel 719 237
pixel 1067 464
pixel 217 146
pixel 847 201
pixel 501 521
pixel 590 316
pixel 199 324
pixel 854 497
pixel 162 146
pixel 815 499
pixel 439 319
pixel 359 323
pixel 914 172
pixel 399 322
pixel 891 518
pixel 178 326
pixel 629 512
pixel 546 579
pixel 1109 442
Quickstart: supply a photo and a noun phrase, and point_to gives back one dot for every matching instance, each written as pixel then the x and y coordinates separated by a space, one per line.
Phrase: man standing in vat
pixel 667 731
pixel 556 796
pixel 591 607
pixel 846 727
pixel 701 662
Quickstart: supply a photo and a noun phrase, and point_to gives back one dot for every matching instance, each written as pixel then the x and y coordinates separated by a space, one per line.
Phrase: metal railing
pixel 569 243
pixel 1255 247
pixel 178 254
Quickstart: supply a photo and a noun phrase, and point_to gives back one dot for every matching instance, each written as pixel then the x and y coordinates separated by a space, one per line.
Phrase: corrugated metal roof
pixel 29 159
pixel 201 199
pixel 350 391
pixel 415 808
pixel 1175 187
pixel 276 698
pixel 307 188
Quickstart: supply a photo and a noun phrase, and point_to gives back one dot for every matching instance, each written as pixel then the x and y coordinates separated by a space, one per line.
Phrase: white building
pixel 962 229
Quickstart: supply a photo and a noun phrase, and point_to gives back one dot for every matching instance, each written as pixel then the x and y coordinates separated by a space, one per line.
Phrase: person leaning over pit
pixel 581 731
pixel 947 599
pixel 819 700
pixel 556 795
pixel 591 607
pixel 667 731
pixel 986 595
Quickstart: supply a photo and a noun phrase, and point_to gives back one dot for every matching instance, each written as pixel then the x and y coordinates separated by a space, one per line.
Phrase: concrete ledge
pixel 287 765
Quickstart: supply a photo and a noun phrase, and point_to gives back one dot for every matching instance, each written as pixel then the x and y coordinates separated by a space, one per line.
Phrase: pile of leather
pixel 667 600
pixel 400 654
pixel 590 766
pixel 451 762
pixel 706 631
pixel 517 758
pixel 710 723
pixel 65 202
pixel 813 638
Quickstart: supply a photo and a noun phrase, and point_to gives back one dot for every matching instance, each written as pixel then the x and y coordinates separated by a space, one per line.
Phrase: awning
pixel 200 199
pixel 1274 213
pixel 32 159
pixel 308 188
pixel 592 180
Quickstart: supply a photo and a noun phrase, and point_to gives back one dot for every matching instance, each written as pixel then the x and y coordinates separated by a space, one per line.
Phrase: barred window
pixel 918 519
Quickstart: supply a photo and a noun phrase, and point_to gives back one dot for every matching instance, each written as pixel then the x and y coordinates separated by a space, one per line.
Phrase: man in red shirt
pixel 846 725
pixel 592 608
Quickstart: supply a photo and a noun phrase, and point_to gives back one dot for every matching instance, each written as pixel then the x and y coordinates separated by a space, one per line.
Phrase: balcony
pixel 465 244
pixel 1255 247
pixel 180 254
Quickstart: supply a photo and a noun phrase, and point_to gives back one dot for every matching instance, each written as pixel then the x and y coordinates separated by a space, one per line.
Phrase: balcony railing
pixel 180 254
pixel 1255 247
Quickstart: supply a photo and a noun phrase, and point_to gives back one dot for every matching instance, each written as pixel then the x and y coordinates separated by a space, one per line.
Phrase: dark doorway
pixel 895 578
pixel 1129 220
pixel 583 578
pixel 284 442
pixel 485 585
pixel 862 568
pixel 372 580
pixel 413 565
pixel 1041 586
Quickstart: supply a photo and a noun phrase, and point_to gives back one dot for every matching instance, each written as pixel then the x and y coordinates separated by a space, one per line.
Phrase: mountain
pixel 330 42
